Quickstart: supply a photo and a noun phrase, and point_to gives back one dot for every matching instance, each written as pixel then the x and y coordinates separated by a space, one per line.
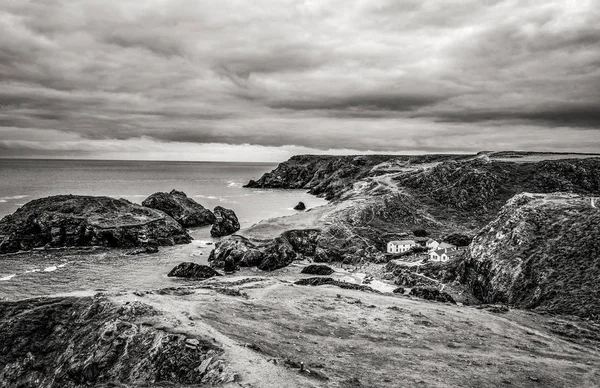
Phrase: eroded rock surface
pixel 183 209
pixel 542 252
pixel 77 342
pixel 73 220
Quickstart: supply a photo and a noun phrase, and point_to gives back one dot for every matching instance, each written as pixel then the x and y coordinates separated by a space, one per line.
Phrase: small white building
pixel 442 254
pixel 431 244
pixel 449 254
pixel 400 246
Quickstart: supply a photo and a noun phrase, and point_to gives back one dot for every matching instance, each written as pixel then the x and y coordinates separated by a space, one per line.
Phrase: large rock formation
pixel 542 252
pixel 191 270
pixel 226 222
pixel 71 220
pixel 267 256
pixel 184 210
pixel 78 342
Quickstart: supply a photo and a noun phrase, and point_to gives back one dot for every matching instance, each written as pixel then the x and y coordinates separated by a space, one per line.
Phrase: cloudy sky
pixel 265 79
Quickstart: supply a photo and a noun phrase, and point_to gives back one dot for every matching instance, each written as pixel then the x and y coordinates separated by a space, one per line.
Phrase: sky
pixel 266 79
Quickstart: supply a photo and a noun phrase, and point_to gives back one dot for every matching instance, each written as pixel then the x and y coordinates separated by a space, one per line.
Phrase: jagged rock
pixel 431 294
pixel 317 269
pixel 193 271
pixel 277 253
pixel 184 210
pixel 399 290
pixel 74 221
pixel 300 206
pixel 541 252
pixel 74 342
pixel 226 222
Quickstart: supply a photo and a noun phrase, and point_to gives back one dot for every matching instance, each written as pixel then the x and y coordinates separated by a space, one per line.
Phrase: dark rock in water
pixel 399 290
pixel 268 256
pixel 76 221
pixel 318 269
pixel 300 206
pixel 431 294
pixel 226 222
pixel 73 342
pixel 193 271
pixel 184 210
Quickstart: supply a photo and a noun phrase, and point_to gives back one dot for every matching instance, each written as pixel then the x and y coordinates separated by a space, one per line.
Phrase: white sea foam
pixel 33 270
pixel 4 199
pixel 234 184
pixel 8 277
pixel 51 268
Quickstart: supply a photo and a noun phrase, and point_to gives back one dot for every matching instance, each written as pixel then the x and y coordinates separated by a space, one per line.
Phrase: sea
pixel 43 273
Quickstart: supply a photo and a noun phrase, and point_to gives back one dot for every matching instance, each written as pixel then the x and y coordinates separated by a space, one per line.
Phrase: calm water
pixel 210 184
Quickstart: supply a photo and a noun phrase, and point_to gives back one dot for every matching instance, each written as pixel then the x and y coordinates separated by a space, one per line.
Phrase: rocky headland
pixel 78 221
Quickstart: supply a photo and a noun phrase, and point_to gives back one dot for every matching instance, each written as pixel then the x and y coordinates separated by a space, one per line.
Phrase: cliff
pixel 72 220
pixel 77 342
pixel 541 252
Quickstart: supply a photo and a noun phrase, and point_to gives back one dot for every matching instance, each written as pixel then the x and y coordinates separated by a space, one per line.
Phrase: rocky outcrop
pixel 277 253
pixel 431 294
pixel 541 252
pixel 72 220
pixel 77 342
pixel 226 222
pixel 323 175
pixel 300 206
pixel 193 271
pixel 317 269
pixel 184 210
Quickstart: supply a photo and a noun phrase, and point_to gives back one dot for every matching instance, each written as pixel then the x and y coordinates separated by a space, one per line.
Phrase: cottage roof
pixel 452 253
pixel 439 252
pixel 446 245
pixel 403 242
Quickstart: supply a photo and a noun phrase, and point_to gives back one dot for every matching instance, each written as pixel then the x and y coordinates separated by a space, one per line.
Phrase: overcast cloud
pixel 261 80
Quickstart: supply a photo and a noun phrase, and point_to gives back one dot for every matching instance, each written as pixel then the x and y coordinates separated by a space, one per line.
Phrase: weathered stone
pixel 193 271
pixel 317 269
pixel 184 210
pixel 75 221
pixel 226 222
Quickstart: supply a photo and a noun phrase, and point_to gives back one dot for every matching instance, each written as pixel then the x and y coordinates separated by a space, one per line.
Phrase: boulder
pixel 184 210
pixel 77 221
pixel 431 294
pixel 226 222
pixel 399 290
pixel 300 206
pixel 318 269
pixel 193 271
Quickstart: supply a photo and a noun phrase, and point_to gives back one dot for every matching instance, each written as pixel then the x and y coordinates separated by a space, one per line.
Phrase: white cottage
pixel 400 246
pixel 431 244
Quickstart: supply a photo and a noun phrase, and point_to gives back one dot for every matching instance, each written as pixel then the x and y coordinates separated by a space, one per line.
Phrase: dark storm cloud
pixel 381 75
